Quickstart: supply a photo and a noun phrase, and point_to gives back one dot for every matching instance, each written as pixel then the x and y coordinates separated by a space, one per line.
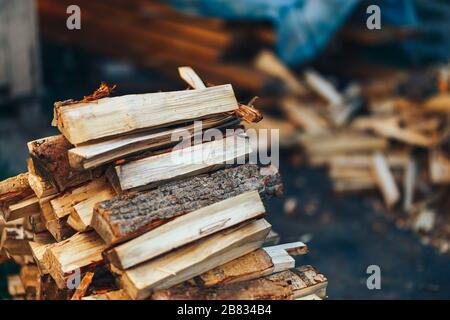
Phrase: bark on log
pixel 130 215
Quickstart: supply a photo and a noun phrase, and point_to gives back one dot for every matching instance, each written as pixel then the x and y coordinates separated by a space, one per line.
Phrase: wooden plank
pixel 13 190
pixel 91 155
pixel 107 117
pixel 130 215
pixel 187 229
pixel 183 162
pixel 80 252
pixel 194 259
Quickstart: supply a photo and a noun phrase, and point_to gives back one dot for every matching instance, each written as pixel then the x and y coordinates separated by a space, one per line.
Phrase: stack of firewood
pixel 116 207
pixel 387 134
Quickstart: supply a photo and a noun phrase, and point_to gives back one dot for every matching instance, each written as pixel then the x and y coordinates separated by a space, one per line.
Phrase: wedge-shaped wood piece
pixel 59 229
pixel 253 265
pixel 41 187
pixel 183 162
pixel 14 240
pixel 80 217
pixel 29 275
pixel 38 251
pixel 15 285
pixel 194 259
pixel 62 205
pixel 287 285
pixel 385 179
pixel 439 164
pixel 94 154
pixel 79 253
pixel 107 117
pixel 13 190
pixel 330 144
pixel 130 215
pixel 51 163
pixel 23 208
pixel 111 295
pixel 187 228
pixel 304 116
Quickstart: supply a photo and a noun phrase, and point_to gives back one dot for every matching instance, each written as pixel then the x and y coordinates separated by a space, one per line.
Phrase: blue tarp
pixel 303 26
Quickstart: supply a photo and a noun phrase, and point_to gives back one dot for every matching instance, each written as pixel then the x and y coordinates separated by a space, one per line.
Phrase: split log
pixel 303 116
pixel 23 208
pixel 286 285
pixel 111 295
pixel 253 265
pixel 267 62
pixel 385 180
pixel 194 259
pixel 41 187
pixel 330 144
pixel 51 163
pixel 439 167
pixel 63 205
pixel 108 117
pixel 83 287
pixel 13 190
pixel 95 154
pixel 392 128
pixel 80 253
pixel 38 251
pixel 130 215
pixel 80 217
pixel 187 229
pixel 14 240
pixel 183 162
pixel 15 286
pixel 59 229
pixel 48 290
pixel 29 275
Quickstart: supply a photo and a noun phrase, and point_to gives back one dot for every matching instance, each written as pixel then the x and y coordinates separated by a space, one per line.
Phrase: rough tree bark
pixel 130 215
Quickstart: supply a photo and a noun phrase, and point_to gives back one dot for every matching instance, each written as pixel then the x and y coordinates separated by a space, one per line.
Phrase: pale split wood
pixel 83 287
pixel 81 214
pixel 183 162
pixel 194 259
pixel 95 154
pixel 188 228
pixel 114 116
pixel 287 285
pixel 385 179
pixel 80 252
pixel 130 215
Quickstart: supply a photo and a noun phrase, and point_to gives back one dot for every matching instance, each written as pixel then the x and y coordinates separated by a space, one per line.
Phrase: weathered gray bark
pixel 129 215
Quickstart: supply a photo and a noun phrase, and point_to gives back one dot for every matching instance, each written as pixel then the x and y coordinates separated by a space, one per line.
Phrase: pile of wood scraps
pixel 388 137
pixel 132 201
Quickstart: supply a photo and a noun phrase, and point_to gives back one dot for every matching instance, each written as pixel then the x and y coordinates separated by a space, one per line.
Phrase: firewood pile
pixel 115 208
pixel 386 138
